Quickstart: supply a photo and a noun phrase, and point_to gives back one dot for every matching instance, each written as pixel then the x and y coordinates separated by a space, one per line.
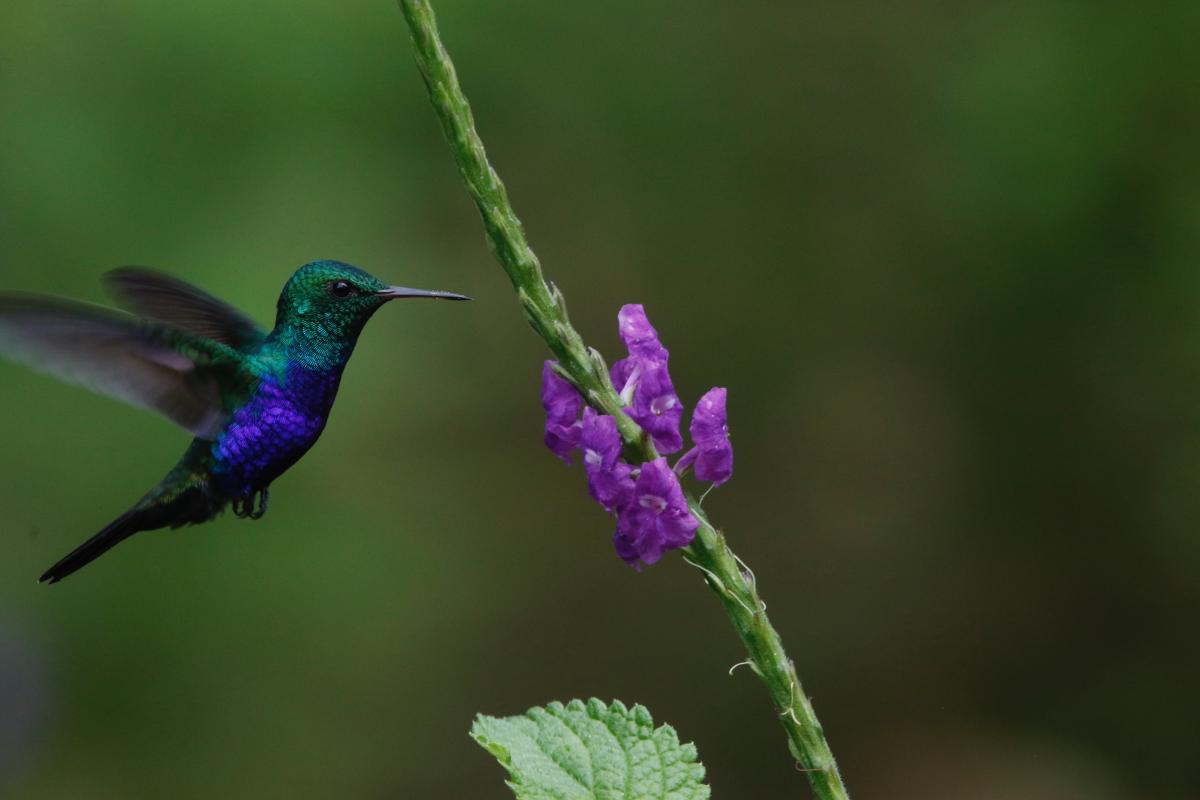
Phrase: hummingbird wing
pixel 177 304
pixel 192 381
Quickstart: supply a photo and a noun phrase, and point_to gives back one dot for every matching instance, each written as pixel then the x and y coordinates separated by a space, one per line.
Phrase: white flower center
pixel 593 458
pixel 653 501
pixel 662 404
pixel 631 385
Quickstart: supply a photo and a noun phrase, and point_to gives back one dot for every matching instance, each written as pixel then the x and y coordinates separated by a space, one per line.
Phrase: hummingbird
pixel 254 401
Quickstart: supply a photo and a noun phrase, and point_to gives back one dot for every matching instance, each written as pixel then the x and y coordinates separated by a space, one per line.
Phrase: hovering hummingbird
pixel 256 401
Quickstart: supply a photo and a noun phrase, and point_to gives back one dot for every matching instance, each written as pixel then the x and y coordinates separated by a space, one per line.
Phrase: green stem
pixel 546 311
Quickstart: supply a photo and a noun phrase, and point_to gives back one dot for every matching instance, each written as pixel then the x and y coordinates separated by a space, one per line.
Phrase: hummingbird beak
pixel 397 292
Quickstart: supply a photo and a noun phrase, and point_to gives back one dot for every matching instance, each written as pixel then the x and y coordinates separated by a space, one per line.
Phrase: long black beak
pixel 397 292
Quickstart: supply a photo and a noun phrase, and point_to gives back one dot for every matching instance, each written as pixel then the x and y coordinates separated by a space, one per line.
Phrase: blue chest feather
pixel 273 429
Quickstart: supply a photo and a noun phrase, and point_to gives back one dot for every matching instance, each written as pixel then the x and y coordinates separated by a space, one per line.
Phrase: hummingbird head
pixel 327 303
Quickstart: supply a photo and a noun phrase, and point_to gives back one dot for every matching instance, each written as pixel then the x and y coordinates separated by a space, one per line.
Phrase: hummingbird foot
pixel 245 507
pixel 263 496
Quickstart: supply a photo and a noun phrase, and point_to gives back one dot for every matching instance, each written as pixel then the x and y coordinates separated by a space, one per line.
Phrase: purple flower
pixel 561 403
pixel 656 518
pixel 713 453
pixel 651 400
pixel 609 481
pixel 644 383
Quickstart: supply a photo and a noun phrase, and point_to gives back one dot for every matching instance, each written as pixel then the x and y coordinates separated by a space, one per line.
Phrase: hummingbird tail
pixel 116 532
pixel 183 498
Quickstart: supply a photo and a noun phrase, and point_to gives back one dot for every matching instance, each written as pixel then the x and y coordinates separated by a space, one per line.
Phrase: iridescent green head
pixel 325 304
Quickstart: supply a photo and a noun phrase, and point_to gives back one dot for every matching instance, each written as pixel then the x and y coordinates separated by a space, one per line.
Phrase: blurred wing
pixel 162 298
pixel 171 372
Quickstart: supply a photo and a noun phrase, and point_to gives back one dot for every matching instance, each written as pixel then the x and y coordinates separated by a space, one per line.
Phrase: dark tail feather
pixel 117 531
pixel 183 497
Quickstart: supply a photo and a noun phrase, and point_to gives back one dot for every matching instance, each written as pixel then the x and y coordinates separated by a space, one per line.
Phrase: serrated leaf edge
pixel 640 724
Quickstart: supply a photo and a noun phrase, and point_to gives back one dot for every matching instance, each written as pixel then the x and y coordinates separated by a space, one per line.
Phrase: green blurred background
pixel 944 255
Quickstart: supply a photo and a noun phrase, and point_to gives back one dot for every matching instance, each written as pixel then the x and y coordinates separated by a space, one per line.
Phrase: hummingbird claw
pixel 239 507
pixel 258 513
pixel 245 507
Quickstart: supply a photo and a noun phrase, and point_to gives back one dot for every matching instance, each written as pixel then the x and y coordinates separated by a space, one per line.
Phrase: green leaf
pixel 592 752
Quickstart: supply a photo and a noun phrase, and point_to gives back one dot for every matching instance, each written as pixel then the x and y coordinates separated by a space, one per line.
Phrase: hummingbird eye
pixel 341 289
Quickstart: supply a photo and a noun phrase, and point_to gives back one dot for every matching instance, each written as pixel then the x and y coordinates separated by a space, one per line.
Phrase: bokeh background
pixel 944 255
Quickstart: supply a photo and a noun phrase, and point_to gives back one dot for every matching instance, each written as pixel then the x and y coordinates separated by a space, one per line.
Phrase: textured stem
pixel 546 312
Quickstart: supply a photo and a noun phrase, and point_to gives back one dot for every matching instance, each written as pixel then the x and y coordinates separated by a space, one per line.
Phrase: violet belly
pixel 273 430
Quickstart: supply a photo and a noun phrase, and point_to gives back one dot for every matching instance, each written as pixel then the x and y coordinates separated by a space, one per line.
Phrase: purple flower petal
pixel 601 442
pixel 609 481
pixel 656 518
pixel 561 403
pixel 657 408
pixel 638 334
pixel 612 489
pixel 562 440
pixel 624 372
pixel 714 452
pixel 559 398
pixel 658 487
pixel 686 460
pixel 627 551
